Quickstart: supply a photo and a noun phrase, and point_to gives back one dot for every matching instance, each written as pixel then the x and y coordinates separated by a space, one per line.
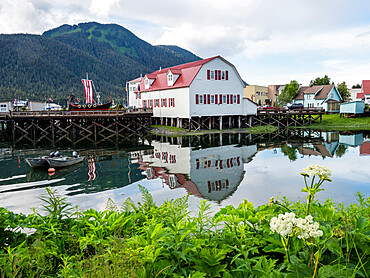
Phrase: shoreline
pixel 330 122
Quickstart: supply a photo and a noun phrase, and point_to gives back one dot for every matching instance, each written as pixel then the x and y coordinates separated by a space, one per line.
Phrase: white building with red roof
pixel 201 94
pixel 366 91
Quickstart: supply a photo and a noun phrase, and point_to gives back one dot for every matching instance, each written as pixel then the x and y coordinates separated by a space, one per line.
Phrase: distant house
pixel 273 92
pixel 191 92
pixel 356 94
pixel 322 96
pixel 366 91
pixel 258 94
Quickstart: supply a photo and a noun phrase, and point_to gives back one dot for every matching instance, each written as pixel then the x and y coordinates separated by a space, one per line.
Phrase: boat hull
pixel 60 162
pixel 89 107
pixel 37 162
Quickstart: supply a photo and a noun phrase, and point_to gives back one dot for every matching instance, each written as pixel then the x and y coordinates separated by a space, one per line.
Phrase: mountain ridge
pixel 51 65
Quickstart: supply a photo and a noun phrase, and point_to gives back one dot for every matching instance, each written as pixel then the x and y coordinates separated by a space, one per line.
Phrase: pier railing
pixel 77 114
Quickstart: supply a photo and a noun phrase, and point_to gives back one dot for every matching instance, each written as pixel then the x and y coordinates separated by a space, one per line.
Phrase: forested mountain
pixel 52 65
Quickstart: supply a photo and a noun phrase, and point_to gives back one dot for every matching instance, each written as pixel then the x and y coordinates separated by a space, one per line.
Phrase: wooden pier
pixel 74 126
pixel 288 118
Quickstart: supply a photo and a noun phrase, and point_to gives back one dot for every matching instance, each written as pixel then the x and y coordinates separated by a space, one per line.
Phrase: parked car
pixel 295 106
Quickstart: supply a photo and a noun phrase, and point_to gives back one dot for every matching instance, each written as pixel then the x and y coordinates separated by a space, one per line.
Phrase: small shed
pixel 351 109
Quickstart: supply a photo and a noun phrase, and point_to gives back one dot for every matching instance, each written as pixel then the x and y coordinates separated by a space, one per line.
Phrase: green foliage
pixel 320 81
pixel 289 92
pixel 335 122
pixel 52 65
pixel 343 91
pixel 357 86
pixel 289 152
pixel 146 240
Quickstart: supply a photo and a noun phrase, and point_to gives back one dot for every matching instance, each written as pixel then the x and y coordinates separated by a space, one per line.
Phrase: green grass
pixel 176 131
pixel 334 122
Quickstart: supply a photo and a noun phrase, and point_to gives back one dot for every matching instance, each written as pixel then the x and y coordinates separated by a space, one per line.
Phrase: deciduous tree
pixel 320 81
pixel 343 91
pixel 289 92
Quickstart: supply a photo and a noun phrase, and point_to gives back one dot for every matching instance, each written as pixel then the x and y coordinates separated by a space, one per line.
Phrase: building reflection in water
pixel 213 173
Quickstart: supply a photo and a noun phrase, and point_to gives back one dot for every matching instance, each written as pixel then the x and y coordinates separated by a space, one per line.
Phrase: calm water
pixel 222 169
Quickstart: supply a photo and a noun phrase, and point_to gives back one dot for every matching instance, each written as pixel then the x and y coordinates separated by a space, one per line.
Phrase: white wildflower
pixel 287 225
pixel 317 170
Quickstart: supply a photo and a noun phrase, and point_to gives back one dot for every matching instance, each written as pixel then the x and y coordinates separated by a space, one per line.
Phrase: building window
pixel 234 98
pixel 224 98
pixel 200 99
pixel 223 75
pixel 156 103
pixel 3 108
pixel 212 99
pixel 212 75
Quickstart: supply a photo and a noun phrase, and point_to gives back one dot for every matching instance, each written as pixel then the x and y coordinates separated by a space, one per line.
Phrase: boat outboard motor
pixel 74 154
pixel 52 154
pixel 57 154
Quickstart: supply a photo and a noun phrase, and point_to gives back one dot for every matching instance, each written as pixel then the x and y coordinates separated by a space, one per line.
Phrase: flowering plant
pixel 313 171
pixel 287 225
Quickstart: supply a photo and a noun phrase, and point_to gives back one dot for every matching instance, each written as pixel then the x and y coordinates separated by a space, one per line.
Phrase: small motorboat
pixel 41 161
pixel 64 161
pixel 37 162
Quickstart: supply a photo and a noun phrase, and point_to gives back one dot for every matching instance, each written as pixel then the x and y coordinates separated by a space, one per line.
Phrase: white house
pixel 206 93
pixel 322 96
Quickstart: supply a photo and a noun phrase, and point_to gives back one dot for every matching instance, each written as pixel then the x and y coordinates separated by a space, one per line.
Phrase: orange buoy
pixel 51 170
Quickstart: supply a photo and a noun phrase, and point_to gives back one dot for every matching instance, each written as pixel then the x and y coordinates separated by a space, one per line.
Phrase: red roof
pixel 360 95
pixel 365 148
pixel 366 87
pixel 186 72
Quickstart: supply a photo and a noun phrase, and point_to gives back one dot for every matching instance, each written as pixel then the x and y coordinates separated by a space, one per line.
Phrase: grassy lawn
pixel 176 131
pixel 334 122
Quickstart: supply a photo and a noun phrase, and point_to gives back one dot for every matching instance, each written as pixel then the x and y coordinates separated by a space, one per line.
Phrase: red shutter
pixel 220 99
pixel 136 95
pixel 216 99
pixel 173 102
pixel 209 99
pixel 208 74
pixel 196 99
pixel 231 99
pixel 165 102
pixel 204 99
pixel 238 99
pixel 228 99
pixel 216 75
pixel 227 75
pixel 219 75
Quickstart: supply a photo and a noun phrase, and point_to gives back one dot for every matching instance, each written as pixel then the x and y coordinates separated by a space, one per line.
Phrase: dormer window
pixel 170 79
pixel 146 82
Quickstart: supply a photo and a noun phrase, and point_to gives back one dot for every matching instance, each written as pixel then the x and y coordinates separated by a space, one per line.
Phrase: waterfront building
pixel 258 94
pixel 188 94
pixel 18 105
pixel 326 97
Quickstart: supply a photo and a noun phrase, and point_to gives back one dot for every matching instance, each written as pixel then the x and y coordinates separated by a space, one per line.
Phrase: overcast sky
pixel 269 41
